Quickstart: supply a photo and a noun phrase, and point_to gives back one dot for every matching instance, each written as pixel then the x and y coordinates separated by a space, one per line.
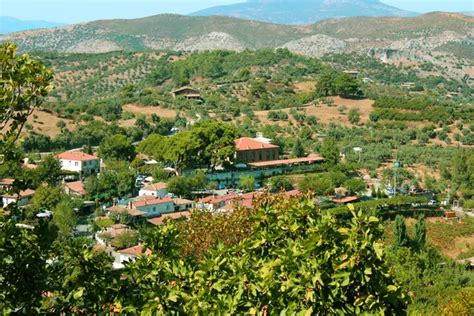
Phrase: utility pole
pixel 396 165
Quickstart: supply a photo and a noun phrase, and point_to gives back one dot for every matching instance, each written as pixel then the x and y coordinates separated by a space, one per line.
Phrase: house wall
pixel 126 258
pixel 184 207
pixel 160 193
pixel 264 154
pixel 84 168
pixel 154 210
pixel 22 202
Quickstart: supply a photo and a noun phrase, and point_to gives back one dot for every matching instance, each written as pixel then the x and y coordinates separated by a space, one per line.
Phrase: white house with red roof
pixel 159 190
pixel 154 207
pixel 77 161
pixel 255 150
pixel 22 199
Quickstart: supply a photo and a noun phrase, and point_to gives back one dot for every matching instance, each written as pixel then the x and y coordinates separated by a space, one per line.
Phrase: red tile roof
pixel 23 194
pixel 182 201
pixel 152 202
pixel 246 143
pixel 76 186
pixel 118 226
pixel 76 156
pixel 271 163
pixel 6 181
pixel 293 193
pixel 136 251
pixel 123 210
pixel 218 199
pixel 345 200
pixel 155 187
pixel 184 89
pixel 160 220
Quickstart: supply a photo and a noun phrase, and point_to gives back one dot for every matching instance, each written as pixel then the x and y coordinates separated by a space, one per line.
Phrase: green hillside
pixel 176 32
pixel 395 28
pixel 178 27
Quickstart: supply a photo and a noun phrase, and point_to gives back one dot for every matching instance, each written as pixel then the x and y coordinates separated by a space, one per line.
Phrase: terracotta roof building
pixel 75 188
pixel 82 163
pixel 137 250
pixel 252 150
pixel 159 189
pixel 157 221
pixel 187 92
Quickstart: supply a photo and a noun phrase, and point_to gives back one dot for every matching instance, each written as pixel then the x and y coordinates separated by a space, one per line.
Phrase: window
pixel 76 164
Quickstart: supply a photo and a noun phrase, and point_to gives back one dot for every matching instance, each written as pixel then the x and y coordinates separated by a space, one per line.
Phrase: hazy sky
pixel 69 11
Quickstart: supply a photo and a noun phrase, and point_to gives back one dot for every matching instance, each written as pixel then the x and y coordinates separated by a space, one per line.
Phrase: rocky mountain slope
pixel 441 39
pixel 309 11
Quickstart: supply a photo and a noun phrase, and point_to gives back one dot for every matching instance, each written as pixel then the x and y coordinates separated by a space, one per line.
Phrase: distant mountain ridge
pixel 423 39
pixel 297 12
pixel 10 24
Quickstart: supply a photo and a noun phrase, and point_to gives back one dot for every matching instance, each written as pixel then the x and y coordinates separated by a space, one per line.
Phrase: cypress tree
pixel 401 236
pixel 420 232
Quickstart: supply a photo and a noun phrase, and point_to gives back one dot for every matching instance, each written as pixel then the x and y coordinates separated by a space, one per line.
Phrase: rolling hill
pixel 309 11
pixel 441 39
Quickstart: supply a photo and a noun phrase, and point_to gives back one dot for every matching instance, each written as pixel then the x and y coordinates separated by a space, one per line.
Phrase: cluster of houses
pixel 154 204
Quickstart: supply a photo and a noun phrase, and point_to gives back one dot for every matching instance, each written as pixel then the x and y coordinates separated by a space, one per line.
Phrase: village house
pixel 154 207
pixel 227 203
pixel 187 93
pixel 6 184
pixel 22 199
pixel 253 150
pixel 132 253
pixel 159 190
pixel 182 205
pixel 82 163
pixel 158 221
pixel 104 236
pixel 122 210
pixel 215 203
pixel 75 189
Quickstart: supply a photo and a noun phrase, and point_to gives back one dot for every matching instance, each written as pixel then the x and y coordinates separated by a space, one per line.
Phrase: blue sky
pixel 70 11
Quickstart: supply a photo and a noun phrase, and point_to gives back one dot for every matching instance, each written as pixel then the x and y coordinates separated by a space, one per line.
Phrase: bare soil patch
pixel 149 110
pixel 46 123
pixel 328 114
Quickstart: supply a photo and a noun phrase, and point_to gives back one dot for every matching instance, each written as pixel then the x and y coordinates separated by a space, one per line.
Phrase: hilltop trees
pixel 117 147
pixel 207 143
pixel 330 83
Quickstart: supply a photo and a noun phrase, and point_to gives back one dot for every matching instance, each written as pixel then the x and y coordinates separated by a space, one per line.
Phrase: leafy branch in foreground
pixel 24 84
pixel 297 259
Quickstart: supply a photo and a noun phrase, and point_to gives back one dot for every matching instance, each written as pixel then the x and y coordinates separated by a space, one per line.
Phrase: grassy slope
pixel 178 27
pixel 128 34
pixel 395 28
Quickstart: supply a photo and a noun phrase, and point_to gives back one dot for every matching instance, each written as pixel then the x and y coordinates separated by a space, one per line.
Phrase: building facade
pixel 159 190
pixel 252 150
pixel 82 163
